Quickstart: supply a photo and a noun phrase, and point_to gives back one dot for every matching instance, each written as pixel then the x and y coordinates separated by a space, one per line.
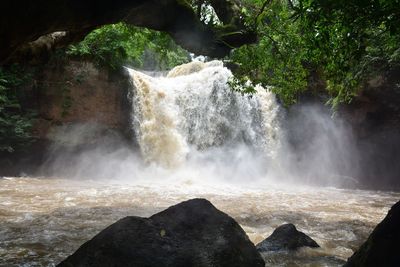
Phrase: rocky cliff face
pixel 373 121
pixel 70 97
pixel 375 118
pixel 80 92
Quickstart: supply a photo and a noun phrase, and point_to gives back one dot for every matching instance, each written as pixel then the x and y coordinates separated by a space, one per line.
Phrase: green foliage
pixel 343 41
pixel 15 125
pixel 242 84
pixel 351 39
pixel 278 58
pixel 119 44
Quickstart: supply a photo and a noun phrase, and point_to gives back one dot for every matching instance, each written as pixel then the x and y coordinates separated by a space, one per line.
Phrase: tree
pixel 15 124
pixel 342 42
pixel 118 44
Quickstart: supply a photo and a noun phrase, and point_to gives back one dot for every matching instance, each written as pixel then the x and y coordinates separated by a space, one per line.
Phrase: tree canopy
pixel 339 42
pixel 121 44
pixel 15 123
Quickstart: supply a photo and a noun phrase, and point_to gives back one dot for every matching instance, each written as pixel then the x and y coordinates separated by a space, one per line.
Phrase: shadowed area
pixel 22 22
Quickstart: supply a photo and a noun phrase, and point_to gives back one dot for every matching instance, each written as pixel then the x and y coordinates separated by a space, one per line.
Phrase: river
pixel 195 137
pixel 44 220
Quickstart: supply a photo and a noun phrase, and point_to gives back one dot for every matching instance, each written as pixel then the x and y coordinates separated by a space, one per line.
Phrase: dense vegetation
pixel 15 123
pixel 339 42
pixel 119 44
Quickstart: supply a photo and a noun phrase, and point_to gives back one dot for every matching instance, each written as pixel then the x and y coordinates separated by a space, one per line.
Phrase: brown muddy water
pixel 44 220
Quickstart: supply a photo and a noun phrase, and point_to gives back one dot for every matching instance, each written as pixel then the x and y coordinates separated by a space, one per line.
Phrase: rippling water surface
pixel 45 220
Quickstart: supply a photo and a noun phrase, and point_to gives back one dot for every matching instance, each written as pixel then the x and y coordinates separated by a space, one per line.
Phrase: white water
pixel 193 109
pixel 197 138
pixel 192 120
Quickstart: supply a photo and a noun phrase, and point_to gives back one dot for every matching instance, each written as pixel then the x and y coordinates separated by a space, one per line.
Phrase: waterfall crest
pixel 193 109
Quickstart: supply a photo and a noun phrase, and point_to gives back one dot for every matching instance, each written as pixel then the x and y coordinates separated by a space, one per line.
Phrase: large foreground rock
pixel 382 247
pixel 192 233
pixel 286 237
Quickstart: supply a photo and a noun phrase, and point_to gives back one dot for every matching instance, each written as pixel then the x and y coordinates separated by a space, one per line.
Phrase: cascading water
pixel 193 109
pixel 212 143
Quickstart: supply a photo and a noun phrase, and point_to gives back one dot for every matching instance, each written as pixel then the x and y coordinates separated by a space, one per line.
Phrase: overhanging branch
pixel 19 23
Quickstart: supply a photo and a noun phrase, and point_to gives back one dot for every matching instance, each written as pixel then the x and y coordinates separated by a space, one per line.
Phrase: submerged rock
pixel 186 69
pixel 382 247
pixel 286 237
pixel 192 233
pixel 192 67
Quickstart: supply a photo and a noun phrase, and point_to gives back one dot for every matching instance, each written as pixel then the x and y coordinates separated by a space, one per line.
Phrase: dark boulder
pixel 286 237
pixel 382 247
pixel 192 233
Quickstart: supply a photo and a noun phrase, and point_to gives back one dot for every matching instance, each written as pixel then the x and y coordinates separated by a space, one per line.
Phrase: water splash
pixel 193 109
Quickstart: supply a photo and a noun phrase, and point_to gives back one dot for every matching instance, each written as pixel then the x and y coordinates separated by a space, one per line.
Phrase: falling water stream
pixel 197 138
pixel 193 109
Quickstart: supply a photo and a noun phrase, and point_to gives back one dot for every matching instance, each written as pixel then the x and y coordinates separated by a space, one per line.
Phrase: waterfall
pixel 193 109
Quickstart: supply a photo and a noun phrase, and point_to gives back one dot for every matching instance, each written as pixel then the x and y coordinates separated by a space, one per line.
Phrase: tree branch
pixel 261 11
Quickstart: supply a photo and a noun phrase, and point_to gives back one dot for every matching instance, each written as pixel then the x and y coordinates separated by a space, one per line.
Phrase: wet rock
pixel 192 233
pixel 374 117
pixel 286 237
pixel 382 246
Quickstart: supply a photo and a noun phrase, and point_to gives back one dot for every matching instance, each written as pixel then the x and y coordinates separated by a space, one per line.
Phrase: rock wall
pixel 80 92
pixel 375 118
pixel 75 97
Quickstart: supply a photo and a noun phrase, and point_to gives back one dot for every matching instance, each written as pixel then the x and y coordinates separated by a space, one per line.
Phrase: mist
pixel 193 129
pixel 320 148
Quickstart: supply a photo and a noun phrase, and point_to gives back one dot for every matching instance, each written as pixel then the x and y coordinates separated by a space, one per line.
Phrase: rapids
pixel 45 220
pixel 196 138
